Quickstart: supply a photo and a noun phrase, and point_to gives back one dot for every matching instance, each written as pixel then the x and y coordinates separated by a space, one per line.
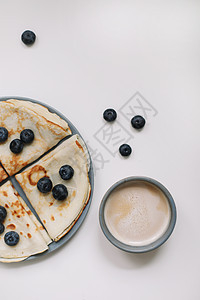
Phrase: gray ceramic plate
pixel 145 248
pixel 55 245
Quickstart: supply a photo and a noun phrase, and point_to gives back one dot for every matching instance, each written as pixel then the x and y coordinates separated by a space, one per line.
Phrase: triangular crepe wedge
pixel 3 174
pixel 40 228
pixel 58 216
pixel 33 239
pixel 48 128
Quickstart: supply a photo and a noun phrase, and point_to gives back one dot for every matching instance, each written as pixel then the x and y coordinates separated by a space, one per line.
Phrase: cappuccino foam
pixel 137 213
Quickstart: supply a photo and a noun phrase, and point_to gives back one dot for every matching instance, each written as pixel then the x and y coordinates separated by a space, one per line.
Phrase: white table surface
pixel 91 55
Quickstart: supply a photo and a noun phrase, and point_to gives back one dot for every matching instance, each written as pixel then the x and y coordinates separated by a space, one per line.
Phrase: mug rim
pixel 151 246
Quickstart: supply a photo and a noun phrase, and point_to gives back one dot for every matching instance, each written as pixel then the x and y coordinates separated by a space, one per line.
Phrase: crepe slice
pixel 33 238
pixel 59 216
pixel 48 128
pixel 3 174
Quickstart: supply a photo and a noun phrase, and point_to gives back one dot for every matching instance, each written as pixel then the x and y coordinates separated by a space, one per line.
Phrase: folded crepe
pixel 33 237
pixel 48 128
pixel 3 174
pixel 58 216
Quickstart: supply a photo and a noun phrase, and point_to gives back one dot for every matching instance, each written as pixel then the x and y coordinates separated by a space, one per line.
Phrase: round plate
pixel 55 245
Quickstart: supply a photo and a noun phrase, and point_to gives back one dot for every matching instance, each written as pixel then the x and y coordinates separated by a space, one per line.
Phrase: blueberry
pixel 60 192
pixel 3 213
pixel 125 150
pixel 2 228
pixel 27 136
pixel 66 172
pixel 138 122
pixel 16 146
pixel 3 134
pixel 109 115
pixel 44 185
pixel 28 37
pixel 11 238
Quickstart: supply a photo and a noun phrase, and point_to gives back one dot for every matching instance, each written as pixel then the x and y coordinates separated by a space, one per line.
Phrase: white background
pixel 90 55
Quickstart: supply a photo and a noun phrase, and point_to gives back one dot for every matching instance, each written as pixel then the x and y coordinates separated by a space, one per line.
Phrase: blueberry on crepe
pixel 3 213
pixel 27 136
pixel 2 228
pixel 66 172
pixel 44 185
pixel 16 146
pixel 11 238
pixel 3 134
pixel 60 192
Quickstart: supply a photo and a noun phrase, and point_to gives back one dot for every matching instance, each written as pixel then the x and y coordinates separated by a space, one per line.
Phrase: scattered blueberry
pixel 3 134
pixel 28 37
pixel 60 192
pixel 3 213
pixel 138 122
pixel 2 228
pixel 109 115
pixel 11 238
pixel 44 185
pixel 66 172
pixel 27 136
pixel 125 150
